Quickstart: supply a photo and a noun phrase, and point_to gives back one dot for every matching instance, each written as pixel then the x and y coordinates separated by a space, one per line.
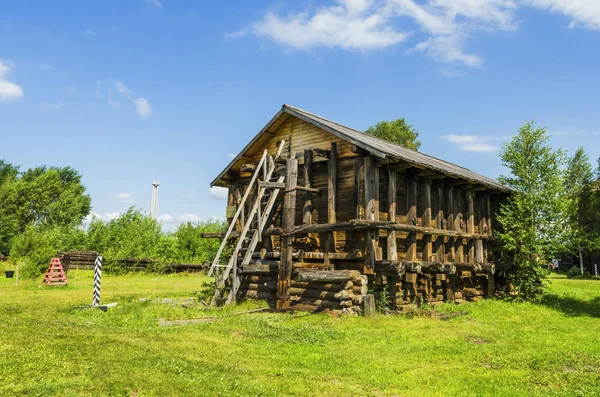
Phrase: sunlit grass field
pixel 499 349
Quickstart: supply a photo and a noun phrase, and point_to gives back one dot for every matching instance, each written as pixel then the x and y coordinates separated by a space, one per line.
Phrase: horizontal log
pixel 269 286
pixel 260 268
pixel 258 279
pixel 390 268
pixel 233 234
pixel 329 295
pixel 328 276
pixel 307 265
pixel 356 254
pixel 323 286
pixel 360 224
pixel 256 294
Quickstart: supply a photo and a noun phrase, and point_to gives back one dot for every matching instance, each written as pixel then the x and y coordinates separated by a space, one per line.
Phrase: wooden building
pixel 320 214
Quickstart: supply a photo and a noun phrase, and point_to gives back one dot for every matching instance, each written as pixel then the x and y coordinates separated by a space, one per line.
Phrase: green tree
pixel 578 185
pixel 398 132
pixel 534 216
pixel 43 196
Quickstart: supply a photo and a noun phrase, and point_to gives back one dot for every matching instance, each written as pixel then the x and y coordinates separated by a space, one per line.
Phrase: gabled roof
pixel 376 146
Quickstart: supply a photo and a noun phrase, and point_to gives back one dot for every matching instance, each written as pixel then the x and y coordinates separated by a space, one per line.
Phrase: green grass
pixel 500 348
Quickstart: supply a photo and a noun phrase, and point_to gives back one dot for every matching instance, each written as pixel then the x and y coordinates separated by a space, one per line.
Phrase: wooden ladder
pixel 252 229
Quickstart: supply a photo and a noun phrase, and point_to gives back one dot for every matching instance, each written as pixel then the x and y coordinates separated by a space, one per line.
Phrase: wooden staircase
pixel 261 198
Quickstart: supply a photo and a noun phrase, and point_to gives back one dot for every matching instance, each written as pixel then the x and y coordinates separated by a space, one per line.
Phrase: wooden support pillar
pixel 426 200
pixel 411 216
pixel 332 195
pixel 372 213
pixel 308 207
pixel 289 214
pixel 450 222
pixel 360 185
pixel 392 250
pixel 450 287
pixel 393 290
pixel 470 223
pixel 491 286
pixel 440 249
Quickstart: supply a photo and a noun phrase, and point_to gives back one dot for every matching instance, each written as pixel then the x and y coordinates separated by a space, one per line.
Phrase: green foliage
pixel 133 235
pixel 191 245
pixel 39 243
pixel 582 212
pixel 47 196
pixel 575 272
pixel 533 218
pixel 398 132
pixel 382 299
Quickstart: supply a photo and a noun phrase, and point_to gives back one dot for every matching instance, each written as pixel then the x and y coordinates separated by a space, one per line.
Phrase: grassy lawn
pixel 500 348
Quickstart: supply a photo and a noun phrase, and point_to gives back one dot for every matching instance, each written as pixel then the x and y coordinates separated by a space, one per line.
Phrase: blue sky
pixel 131 91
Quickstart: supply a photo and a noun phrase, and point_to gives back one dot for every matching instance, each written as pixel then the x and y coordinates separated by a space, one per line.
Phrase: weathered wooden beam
pixel 440 221
pixel 359 224
pixel 359 189
pixel 308 207
pixel 332 183
pixel 411 217
pixel 372 212
pixel 470 223
pixel 392 249
pixel 426 218
pixel 450 221
pixel 289 208
pixel 321 153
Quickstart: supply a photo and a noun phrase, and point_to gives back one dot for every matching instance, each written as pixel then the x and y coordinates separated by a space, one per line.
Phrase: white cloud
pixel 166 218
pixel 45 66
pixel 154 3
pixel 89 32
pixel 585 11
pixel 471 143
pixel 125 198
pixel 188 218
pixel 8 90
pixel 376 24
pixel 231 155
pixel 349 24
pixel 143 107
pixel 218 193
pixel 52 105
pixel 114 86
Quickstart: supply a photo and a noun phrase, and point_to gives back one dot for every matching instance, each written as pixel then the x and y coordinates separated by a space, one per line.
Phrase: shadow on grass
pixel 573 306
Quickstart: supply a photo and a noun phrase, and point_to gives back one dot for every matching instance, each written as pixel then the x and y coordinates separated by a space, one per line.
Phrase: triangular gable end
pixel 298 134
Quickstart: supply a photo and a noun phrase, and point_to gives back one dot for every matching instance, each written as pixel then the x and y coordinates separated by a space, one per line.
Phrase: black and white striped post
pixel 97 280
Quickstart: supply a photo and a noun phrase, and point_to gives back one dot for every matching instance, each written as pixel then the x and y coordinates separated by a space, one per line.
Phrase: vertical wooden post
pixel 289 214
pixel 372 212
pixel 470 223
pixel 331 196
pixel 360 185
pixel 392 251
pixel 440 252
pixel 308 207
pixel 450 221
pixel 450 288
pixel 411 216
pixel 458 219
pixel 426 199
pixel 332 184
pixel 393 290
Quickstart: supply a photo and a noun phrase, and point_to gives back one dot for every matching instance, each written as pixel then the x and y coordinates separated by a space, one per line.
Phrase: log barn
pixel 321 215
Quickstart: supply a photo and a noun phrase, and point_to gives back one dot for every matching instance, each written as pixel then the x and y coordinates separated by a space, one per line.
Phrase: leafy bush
pixel 575 272
pixel 131 235
pixel 38 244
